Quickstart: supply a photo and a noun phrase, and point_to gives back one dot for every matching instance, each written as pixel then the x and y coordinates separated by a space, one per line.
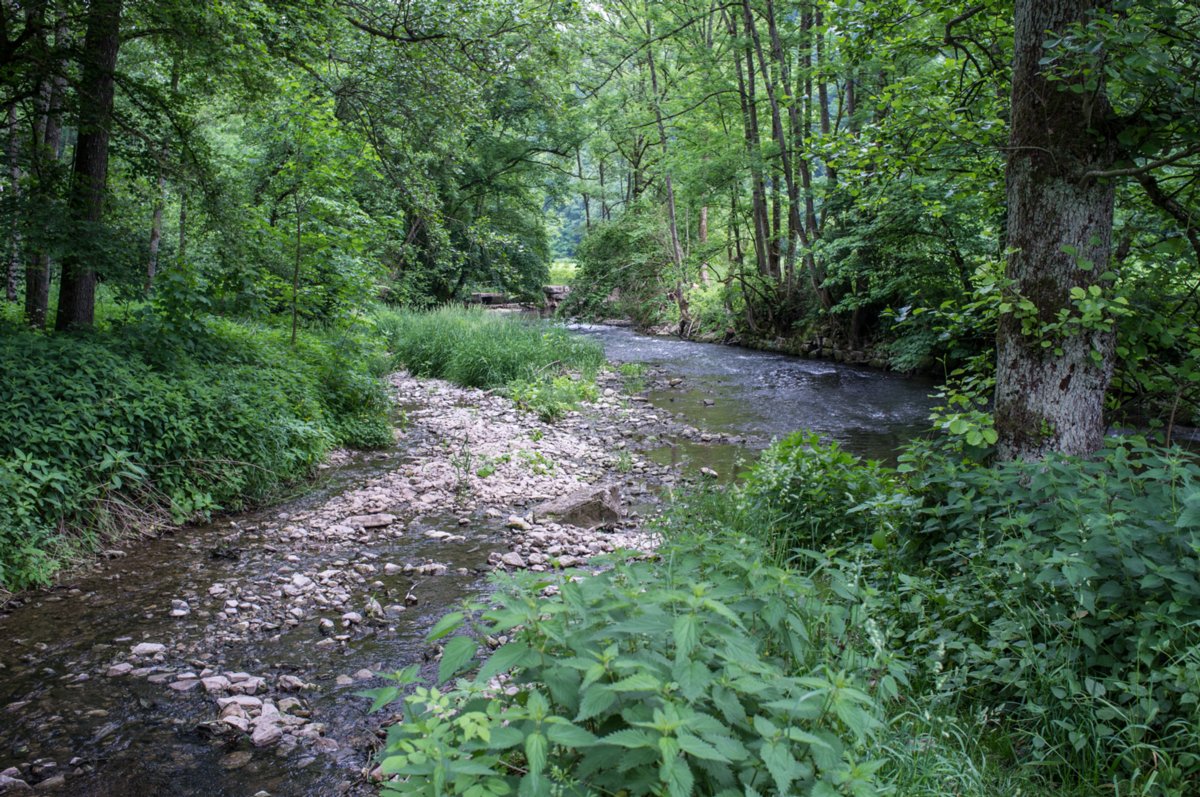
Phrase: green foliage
pixel 552 398
pixel 705 672
pixel 101 434
pixel 545 369
pixel 1063 596
pixel 812 496
pixel 1058 599
pixel 622 265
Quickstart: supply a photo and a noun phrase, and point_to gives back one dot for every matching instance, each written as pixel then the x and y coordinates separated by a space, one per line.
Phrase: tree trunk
pixel 45 160
pixel 156 232
pixel 89 178
pixel 181 251
pixel 676 249
pixel 1050 398
pixel 746 94
pixel 13 269
pixel 160 201
pixel 587 206
pixel 296 269
pixel 702 237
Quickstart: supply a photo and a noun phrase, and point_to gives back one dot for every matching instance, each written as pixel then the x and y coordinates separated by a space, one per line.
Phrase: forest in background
pixel 820 177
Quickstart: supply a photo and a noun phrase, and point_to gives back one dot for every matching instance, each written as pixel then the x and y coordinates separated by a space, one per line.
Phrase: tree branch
pixel 1136 171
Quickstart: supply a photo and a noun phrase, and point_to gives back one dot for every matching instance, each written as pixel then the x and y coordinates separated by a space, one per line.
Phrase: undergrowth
pixel 1014 629
pixel 124 430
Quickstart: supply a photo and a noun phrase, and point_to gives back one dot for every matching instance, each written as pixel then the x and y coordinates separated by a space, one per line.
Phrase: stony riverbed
pixel 225 659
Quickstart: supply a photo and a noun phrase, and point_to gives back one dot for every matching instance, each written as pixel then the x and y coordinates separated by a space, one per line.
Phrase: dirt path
pixel 224 660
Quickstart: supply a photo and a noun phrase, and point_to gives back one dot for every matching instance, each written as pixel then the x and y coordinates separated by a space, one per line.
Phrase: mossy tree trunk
pixel 1050 387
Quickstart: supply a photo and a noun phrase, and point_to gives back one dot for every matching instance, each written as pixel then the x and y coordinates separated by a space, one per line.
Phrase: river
pixel 69 725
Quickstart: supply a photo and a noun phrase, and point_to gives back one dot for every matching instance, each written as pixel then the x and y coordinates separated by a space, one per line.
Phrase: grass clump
pixel 123 430
pixel 543 367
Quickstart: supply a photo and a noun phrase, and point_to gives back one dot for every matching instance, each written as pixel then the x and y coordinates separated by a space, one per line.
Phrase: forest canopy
pixel 915 184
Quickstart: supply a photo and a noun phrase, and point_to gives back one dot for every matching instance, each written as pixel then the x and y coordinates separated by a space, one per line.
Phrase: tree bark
pixel 89 178
pixel 45 161
pixel 13 269
pixel 1050 398
pixel 746 94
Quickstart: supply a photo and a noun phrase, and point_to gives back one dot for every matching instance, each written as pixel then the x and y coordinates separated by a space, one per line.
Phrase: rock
pixel 377 520
pixel 12 785
pixel 180 608
pixel 52 783
pixel 343 680
pixel 215 683
pixel 512 559
pixel 588 508
pixel 237 760
pixel 266 734
pixel 518 523
pixel 119 669
pixel 185 685
pixel 300 581
pixel 237 722
pixel 290 683
pixel 391 569
pixel 242 701
pixel 351 618
pixel 709 472
pixel 148 649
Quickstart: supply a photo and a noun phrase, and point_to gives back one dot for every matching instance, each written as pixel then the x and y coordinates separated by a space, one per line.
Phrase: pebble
pixel 148 649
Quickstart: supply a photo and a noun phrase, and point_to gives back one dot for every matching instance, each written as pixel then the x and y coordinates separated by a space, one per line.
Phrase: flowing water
pixel 761 396
pixel 130 737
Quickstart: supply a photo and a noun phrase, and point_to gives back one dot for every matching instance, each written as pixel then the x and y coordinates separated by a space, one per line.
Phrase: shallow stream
pixel 65 721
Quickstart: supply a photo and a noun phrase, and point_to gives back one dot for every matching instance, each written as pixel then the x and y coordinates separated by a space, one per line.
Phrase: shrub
pixel 1063 595
pixel 123 430
pixel 811 496
pixel 707 672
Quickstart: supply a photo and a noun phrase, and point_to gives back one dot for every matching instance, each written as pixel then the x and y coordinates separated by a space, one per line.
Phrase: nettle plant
pixel 696 674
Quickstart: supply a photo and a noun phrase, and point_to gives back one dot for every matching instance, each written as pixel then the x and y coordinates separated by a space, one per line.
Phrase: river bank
pixel 225 659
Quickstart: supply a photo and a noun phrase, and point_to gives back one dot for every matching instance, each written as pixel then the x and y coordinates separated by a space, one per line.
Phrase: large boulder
pixel 587 508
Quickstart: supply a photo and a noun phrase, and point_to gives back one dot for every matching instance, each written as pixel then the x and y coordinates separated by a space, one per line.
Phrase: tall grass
pixel 476 348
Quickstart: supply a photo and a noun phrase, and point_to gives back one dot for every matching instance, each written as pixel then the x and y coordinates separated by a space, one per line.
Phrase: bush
pixel 1063 596
pixel 707 672
pixel 118 431
pixel 806 495
pixel 1058 599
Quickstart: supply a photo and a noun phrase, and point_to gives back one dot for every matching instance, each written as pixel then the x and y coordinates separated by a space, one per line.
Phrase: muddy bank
pixel 224 659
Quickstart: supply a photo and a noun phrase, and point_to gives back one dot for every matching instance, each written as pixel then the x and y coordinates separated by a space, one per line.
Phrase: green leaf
pixel 445 627
pixel 382 696
pixel 597 700
pixel 504 659
pixel 457 653
pixel 640 682
pixel 687 634
pixel 630 737
pixel 695 746
pixel 535 752
pixel 568 734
